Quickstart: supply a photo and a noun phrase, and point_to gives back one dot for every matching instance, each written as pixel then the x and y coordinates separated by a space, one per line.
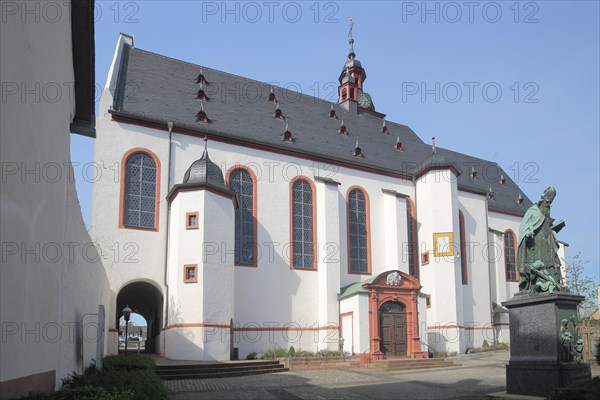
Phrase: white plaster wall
pixel 49 283
pixel 477 301
pixel 358 305
pixel 437 212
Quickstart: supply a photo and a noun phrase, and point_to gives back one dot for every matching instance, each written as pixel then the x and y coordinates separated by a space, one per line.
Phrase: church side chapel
pixel 271 221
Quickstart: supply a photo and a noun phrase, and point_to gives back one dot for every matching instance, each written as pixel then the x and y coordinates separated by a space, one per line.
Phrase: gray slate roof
pixel 158 88
pixel 204 171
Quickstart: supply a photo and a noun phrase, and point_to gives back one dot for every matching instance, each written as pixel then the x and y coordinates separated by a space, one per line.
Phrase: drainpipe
pixel 487 236
pixel 166 314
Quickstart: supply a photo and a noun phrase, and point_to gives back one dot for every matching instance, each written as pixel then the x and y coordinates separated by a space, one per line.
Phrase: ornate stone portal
pixel 395 287
pixel 545 342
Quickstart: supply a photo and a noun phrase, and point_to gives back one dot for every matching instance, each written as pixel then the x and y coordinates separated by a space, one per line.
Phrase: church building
pixel 238 217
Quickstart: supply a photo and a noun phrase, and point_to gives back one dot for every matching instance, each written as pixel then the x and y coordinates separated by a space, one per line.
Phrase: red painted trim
pixel 156 194
pixel 186 267
pixel 314 203
pixel 413 215
pixel 463 248
pixel 254 211
pixel 424 258
pixel 187 220
pixel 373 113
pixel 407 294
pixel 351 315
pixel 368 212
pixel 468 328
pixel 197 325
pixel 515 253
pixel 113 330
pixel 506 212
pixel 252 329
pixel 263 147
pixel 290 328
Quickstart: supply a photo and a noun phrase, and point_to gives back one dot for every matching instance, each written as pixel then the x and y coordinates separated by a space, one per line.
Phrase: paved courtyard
pixel 476 375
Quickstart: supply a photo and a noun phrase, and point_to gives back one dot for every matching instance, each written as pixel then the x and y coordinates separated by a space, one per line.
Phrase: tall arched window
pixel 358 232
pixel 411 228
pixel 141 187
pixel 242 183
pixel 463 248
pixel 303 227
pixel 510 259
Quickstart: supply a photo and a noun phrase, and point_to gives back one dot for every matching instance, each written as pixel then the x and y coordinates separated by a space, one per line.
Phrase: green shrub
pixel 144 383
pixel 275 353
pixel 330 353
pixel 305 354
pixel 128 362
pixel 291 351
pixel 252 356
pixel 485 344
pixel 82 393
pixel 132 373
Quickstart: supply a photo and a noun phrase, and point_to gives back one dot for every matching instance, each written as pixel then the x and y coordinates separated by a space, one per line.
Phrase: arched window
pixel 510 259
pixel 411 230
pixel 303 227
pixel 463 248
pixel 141 187
pixel 242 183
pixel 358 232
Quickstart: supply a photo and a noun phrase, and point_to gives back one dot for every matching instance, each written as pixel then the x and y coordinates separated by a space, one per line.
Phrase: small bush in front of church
pixel 598 352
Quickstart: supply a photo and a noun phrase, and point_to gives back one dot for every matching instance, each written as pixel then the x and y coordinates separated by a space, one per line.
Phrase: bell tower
pixel 352 98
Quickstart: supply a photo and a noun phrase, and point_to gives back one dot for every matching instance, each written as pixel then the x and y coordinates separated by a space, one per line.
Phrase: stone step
pixel 407 364
pixel 204 371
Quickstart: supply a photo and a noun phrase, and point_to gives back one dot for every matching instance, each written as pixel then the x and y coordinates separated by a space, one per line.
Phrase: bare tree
pixel 579 283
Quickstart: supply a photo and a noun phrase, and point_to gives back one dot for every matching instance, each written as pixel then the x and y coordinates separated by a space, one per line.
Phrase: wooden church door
pixel 392 317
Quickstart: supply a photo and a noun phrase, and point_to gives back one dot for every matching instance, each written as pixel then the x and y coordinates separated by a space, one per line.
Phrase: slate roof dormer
pixel 245 122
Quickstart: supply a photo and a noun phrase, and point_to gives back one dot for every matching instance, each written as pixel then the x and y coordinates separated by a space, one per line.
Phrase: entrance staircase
pixel 218 370
pixel 402 364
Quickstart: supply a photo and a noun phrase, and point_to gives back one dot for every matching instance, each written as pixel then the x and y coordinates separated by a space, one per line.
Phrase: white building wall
pixel 437 212
pixel 358 305
pixel 51 279
pixel 502 289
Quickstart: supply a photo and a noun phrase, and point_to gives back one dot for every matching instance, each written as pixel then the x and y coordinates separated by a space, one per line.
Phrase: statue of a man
pixel 538 242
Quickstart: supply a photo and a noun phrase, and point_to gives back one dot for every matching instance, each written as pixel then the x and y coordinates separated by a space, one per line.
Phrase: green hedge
pixel 130 377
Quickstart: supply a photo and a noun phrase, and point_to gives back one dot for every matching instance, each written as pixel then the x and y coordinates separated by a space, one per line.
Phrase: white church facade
pixel 248 218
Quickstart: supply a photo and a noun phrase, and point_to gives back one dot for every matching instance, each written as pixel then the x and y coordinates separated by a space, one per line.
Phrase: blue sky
pixel 512 82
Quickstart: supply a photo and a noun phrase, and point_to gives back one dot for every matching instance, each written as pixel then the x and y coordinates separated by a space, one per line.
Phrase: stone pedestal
pixel 535 366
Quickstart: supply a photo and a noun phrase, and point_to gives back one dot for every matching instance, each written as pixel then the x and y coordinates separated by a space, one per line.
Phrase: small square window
pixel 191 220
pixel 425 258
pixel 190 273
pixel 428 301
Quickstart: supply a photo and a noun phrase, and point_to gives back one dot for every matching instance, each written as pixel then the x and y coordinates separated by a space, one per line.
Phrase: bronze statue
pixel 537 255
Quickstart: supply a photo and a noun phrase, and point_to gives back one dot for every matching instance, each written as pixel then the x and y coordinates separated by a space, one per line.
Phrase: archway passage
pixel 145 299
pixel 392 319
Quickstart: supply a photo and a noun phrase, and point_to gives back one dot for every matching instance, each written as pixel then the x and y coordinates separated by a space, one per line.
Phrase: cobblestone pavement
pixel 473 378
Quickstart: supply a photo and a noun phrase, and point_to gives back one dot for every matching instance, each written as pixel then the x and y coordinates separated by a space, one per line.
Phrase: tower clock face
pixel 364 100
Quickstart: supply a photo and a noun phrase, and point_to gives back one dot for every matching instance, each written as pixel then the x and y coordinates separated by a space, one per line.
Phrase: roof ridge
pixel 326 102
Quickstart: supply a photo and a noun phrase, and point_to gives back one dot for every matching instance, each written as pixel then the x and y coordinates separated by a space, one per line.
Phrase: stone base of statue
pixel 545 344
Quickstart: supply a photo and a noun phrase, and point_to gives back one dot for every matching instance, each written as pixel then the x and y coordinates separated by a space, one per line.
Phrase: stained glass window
pixel 302 225
pixel 140 191
pixel 240 183
pixel 510 263
pixel 357 226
